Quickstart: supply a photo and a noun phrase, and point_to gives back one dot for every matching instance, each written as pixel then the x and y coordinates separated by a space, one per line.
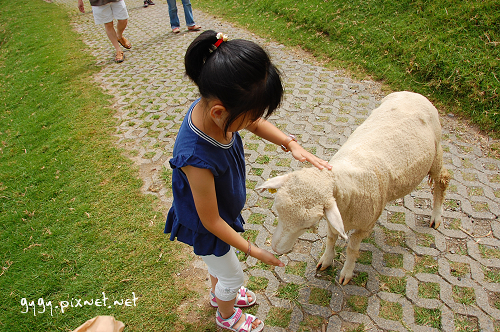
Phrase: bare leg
pixel 120 27
pixel 213 280
pixel 352 254
pixel 110 31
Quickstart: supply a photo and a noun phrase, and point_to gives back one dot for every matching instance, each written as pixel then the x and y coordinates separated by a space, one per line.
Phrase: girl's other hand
pixel 266 257
pixel 80 6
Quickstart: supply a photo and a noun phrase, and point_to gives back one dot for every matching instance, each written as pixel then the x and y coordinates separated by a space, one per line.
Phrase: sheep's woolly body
pixel 385 158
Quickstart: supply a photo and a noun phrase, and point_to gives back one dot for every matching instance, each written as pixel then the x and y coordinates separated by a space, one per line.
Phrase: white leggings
pixel 228 271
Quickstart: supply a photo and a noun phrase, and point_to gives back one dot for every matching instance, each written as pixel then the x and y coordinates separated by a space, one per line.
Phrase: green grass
pixel 428 290
pixel 358 303
pixel 320 297
pixel 466 323
pixel 448 50
pixel 393 260
pixel 257 283
pixel 73 224
pixel 425 264
pixel 395 238
pixel 311 323
pixel 278 317
pixel 297 268
pixel 491 274
pixel 464 295
pixel 360 279
pixel 428 317
pixel 365 258
pixel 393 284
pixel 396 217
pixel 391 310
pixel 289 292
pixel 257 218
pixel 459 269
pixel 489 252
pixel 360 328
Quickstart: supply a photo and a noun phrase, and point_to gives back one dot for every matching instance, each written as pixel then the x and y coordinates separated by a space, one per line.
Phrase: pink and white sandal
pixel 241 299
pixel 233 320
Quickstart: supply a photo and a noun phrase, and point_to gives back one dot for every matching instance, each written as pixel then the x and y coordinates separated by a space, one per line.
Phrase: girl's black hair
pixel 239 73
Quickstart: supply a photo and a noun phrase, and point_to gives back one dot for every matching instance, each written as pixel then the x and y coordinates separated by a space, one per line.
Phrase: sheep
pixel 385 158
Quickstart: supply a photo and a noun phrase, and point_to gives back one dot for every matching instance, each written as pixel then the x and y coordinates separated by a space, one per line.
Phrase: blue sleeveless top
pixel 227 163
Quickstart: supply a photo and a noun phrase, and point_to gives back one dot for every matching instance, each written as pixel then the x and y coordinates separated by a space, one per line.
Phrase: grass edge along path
pixel 74 228
pixel 446 50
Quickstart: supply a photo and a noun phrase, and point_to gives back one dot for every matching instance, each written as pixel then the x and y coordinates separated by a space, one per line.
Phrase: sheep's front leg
pixel 352 254
pixel 329 255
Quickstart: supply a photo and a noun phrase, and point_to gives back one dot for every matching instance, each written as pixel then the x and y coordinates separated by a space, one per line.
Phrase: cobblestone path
pixel 409 277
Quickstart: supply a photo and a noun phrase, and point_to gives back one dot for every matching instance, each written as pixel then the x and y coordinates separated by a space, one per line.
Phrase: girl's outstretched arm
pixel 202 186
pixel 268 131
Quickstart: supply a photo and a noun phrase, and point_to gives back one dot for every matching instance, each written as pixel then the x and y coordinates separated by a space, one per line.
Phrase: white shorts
pixel 227 269
pixel 108 12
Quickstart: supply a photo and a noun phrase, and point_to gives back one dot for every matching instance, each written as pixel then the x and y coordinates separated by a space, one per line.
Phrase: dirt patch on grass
pixel 195 310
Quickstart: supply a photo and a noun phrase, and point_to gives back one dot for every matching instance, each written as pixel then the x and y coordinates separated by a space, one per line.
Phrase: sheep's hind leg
pixel 439 179
pixel 329 255
pixel 352 254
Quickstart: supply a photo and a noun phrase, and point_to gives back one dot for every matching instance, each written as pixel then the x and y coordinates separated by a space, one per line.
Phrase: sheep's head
pixel 302 199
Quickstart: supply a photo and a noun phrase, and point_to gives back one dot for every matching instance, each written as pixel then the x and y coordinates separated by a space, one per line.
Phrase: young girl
pixel 239 87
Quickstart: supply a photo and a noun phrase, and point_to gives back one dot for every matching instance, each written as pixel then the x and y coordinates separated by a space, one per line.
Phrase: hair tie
pixel 221 37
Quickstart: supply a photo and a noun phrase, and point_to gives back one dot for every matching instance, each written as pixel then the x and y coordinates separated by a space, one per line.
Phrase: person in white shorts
pixel 105 11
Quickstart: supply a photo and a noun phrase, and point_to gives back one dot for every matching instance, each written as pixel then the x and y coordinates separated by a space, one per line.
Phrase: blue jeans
pixel 174 18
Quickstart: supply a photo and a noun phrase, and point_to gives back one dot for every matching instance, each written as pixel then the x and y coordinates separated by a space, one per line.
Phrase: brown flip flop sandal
pixel 124 42
pixel 119 57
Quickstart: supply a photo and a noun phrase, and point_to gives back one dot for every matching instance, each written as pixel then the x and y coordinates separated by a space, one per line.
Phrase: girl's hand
pixel 80 6
pixel 265 256
pixel 301 154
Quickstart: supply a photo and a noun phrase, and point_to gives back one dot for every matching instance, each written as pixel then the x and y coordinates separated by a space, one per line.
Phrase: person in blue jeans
pixel 188 14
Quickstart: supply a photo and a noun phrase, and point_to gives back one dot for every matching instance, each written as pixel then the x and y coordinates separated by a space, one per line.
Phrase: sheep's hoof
pixel 344 280
pixel 435 223
pixel 325 261
pixel 345 276
pixel 321 267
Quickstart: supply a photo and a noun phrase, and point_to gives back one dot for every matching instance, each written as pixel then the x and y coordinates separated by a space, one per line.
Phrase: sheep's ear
pixel 335 219
pixel 274 183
